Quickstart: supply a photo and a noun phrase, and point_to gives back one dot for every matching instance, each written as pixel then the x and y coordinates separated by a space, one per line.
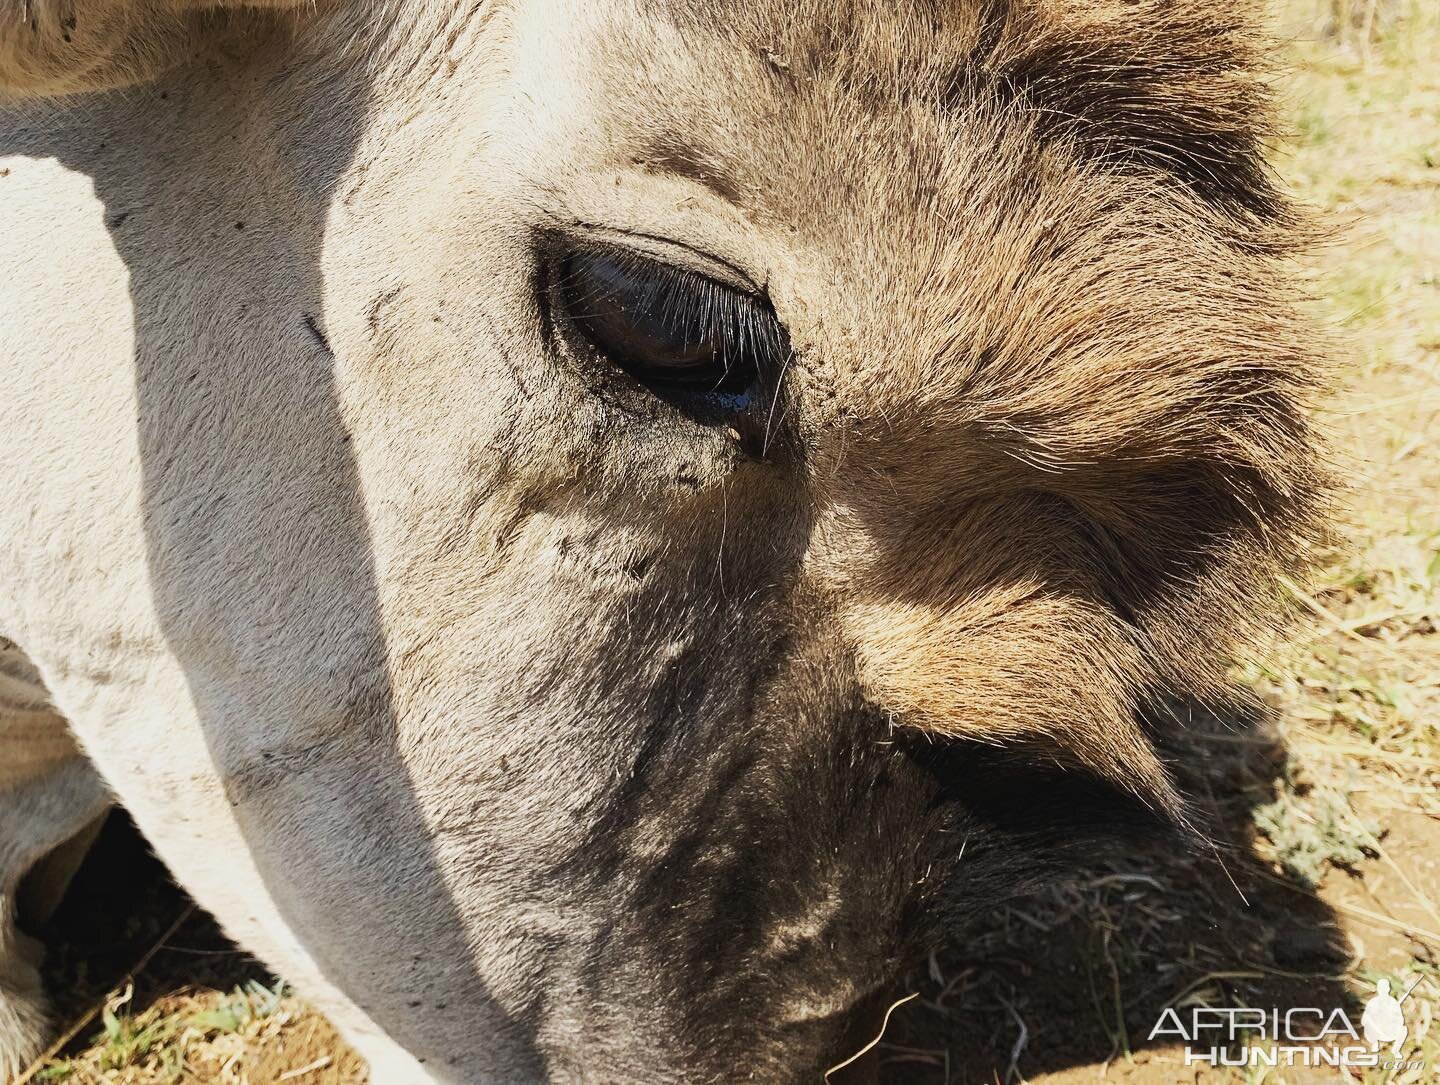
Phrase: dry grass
pixel 1326 811
pixel 253 1033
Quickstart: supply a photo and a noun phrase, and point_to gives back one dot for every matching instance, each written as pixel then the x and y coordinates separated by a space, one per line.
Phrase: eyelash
pixel 742 329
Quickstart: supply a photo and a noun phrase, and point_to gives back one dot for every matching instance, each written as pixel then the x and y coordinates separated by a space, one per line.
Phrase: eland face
pixel 592 535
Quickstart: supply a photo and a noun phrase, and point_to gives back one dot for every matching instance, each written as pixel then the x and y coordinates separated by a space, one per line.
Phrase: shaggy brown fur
pixel 1074 384
pixel 57 47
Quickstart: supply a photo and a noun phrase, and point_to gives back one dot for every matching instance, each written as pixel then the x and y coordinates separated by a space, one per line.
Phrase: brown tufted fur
pixel 1080 472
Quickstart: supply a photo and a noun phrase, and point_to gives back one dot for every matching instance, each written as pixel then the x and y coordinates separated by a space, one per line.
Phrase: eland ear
pixel 50 48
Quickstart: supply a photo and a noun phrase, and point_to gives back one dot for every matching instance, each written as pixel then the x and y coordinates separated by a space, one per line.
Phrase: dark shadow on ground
pixel 1080 975
pixel 117 909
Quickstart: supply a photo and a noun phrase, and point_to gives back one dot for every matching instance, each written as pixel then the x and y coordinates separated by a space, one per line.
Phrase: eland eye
pixel 669 328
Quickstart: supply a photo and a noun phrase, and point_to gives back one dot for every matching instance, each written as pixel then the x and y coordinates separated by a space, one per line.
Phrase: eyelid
pixel 723 309
pixel 663 250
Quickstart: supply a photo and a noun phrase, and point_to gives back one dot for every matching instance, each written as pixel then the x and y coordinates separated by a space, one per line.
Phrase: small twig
pixel 1369 30
pixel 1336 623
pixel 1409 990
pixel 1039 926
pixel 1355 910
pixel 300 1071
pixel 878 1037
pixel 1174 1001
pixel 1123 879
pixel 191 952
pixel 1319 744
pixel 1354 625
pixel 1380 850
pixel 1012 1071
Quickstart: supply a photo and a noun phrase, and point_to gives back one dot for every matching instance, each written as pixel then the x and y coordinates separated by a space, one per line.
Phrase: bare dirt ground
pixel 1324 800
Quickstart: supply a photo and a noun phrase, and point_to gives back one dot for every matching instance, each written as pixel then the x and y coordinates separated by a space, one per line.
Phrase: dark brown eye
pixel 669 328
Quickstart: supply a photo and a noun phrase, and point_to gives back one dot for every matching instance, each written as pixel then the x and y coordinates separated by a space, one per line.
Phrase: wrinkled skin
pixel 542 728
